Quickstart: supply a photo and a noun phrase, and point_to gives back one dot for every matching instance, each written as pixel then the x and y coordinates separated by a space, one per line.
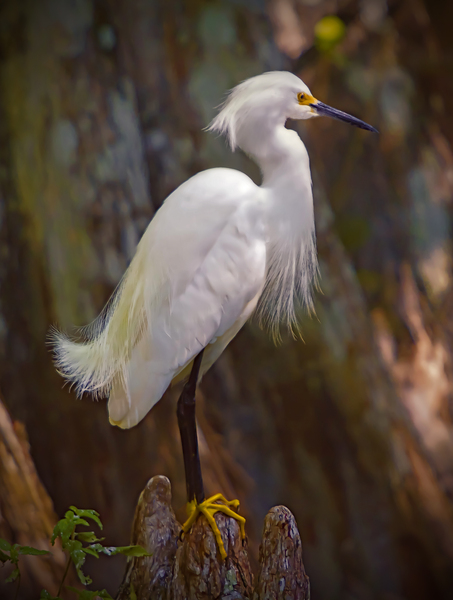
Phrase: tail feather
pixel 100 362
pixel 128 405
pixel 142 385
pixel 82 364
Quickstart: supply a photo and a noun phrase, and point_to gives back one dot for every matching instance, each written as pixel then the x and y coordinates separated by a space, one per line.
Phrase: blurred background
pixel 102 109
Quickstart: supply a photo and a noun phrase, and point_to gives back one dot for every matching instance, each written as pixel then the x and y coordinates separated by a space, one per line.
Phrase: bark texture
pixel 281 574
pixel 155 528
pixel 193 569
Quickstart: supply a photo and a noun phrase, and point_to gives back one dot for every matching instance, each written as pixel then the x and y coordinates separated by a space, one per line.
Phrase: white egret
pixel 219 249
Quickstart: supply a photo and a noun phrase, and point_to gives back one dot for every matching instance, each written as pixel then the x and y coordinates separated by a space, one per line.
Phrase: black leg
pixel 188 430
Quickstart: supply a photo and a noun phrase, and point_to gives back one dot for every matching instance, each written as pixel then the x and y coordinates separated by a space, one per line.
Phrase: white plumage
pixel 219 248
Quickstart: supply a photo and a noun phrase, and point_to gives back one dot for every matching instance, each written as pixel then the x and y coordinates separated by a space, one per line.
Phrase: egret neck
pixel 282 157
pixel 292 262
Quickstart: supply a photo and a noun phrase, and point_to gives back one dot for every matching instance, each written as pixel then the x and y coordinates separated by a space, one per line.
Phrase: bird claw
pixel 208 508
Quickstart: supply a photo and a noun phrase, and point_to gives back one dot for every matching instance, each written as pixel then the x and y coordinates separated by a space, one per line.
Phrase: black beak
pixel 327 111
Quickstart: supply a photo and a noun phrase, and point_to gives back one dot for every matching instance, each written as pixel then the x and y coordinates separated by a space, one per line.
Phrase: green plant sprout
pixel 77 544
pixel 11 552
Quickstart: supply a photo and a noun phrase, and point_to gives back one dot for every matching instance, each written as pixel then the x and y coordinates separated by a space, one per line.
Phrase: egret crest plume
pixel 258 98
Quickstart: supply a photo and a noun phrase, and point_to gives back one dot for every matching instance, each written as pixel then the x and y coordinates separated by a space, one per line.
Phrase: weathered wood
pixel 282 574
pixel 192 569
pixel 200 573
pixel 156 529
pixel 27 516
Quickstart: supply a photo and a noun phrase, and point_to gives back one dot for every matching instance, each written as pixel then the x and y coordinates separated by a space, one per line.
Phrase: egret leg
pixel 194 482
pixel 188 431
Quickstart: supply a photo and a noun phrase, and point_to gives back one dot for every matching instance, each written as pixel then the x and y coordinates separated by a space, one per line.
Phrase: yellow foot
pixel 208 508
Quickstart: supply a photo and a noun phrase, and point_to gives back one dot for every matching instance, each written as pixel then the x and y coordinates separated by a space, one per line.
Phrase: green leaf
pixel 74 520
pixel 75 549
pixel 63 529
pixel 88 536
pixel 85 579
pixel 132 594
pixel 4 545
pixel 91 551
pixel 32 551
pixel 14 553
pixel 132 551
pixel 88 513
pixel 14 575
pixel 78 558
pixel 3 557
pixel 73 545
pixel 46 596
pixel 109 550
pixel 72 542
pixel 55 533
pixel 78 555
pixel 104 594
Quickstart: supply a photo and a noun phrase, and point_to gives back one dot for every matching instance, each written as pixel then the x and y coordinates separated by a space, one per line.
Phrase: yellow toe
pixel 208 508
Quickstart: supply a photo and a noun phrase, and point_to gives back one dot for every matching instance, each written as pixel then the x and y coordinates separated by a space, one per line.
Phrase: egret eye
pixel 300 96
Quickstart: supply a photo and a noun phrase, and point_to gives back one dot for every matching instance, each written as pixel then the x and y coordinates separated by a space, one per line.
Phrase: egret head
pixel 264 101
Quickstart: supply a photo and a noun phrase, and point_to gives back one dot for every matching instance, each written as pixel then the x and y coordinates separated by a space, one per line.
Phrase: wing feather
pixel 169 303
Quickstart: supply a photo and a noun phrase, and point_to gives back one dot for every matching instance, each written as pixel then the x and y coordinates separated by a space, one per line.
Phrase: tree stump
pixel 192 569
